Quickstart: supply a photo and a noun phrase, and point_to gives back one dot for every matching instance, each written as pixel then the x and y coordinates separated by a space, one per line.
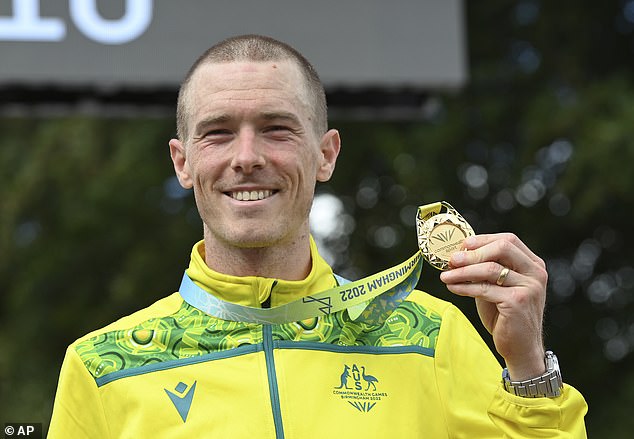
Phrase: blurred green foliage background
pixel 93 225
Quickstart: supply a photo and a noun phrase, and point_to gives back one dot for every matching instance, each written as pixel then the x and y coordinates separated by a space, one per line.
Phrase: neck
pixel 288 261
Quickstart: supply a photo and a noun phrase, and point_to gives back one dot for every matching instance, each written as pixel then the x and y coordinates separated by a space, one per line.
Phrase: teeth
pixel 251 195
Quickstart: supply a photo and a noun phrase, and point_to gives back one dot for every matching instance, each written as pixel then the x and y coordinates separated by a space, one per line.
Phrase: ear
pixel 179 159
pixel 329 151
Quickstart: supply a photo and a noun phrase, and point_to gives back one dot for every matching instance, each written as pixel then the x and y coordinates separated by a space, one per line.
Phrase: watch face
pixel 441 236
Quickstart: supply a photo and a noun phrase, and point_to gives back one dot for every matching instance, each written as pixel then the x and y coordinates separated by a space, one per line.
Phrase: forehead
pixel 247 85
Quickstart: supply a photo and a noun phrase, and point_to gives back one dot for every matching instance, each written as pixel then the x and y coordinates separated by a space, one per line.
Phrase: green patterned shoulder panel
pixel 409 325
pixel 190 333
pixel 187 333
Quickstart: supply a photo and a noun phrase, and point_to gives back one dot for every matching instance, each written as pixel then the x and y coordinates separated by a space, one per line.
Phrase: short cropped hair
pixel 255 48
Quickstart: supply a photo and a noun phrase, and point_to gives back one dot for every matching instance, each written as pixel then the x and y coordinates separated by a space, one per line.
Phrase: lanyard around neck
pixel 367 299
pixel 370 299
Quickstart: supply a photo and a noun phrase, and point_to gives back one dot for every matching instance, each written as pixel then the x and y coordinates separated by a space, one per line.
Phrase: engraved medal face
pixel 441 236
pixel 445 239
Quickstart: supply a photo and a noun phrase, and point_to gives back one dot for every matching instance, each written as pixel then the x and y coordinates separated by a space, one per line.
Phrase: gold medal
pixel 440 234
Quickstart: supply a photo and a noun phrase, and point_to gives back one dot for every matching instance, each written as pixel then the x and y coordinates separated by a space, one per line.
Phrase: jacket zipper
pixel 267 341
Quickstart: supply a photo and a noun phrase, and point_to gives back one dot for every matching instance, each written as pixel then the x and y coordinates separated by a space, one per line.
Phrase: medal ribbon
pixel 428 210
pixel 357 297
pixel 369 300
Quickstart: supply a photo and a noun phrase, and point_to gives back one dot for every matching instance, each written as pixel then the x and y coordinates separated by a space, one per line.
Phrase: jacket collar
pixel 254 290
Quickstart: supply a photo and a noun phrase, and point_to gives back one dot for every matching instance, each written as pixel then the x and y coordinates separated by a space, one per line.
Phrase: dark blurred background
pixel 538 141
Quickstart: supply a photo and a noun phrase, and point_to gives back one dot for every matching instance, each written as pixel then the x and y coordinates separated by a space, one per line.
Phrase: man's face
pixel 253 156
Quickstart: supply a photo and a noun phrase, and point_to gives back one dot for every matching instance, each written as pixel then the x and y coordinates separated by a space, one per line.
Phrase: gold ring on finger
pixel 502 277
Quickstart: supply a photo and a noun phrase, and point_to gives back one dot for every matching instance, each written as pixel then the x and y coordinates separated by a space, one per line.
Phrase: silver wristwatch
pixel 547 385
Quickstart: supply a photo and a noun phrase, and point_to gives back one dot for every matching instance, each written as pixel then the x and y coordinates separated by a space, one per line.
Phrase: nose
pixel 247 154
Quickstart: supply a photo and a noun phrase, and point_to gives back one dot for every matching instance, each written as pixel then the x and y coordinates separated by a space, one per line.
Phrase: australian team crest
pixel 359 387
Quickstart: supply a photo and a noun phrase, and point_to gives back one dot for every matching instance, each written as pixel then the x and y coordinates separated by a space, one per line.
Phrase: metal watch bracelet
pixel 548 385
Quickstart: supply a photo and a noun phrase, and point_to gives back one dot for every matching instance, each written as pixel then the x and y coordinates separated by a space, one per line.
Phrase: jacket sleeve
pixel 78 410
pixel 477 405
pixel 560 417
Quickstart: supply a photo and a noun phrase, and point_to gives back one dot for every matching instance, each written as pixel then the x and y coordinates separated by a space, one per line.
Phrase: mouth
pixel 251 195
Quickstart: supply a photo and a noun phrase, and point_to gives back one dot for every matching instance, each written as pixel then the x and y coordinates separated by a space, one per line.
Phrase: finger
pixel 517 288
pixel 478 241
pixel 479 290
pixel 489 272
pixel 500 250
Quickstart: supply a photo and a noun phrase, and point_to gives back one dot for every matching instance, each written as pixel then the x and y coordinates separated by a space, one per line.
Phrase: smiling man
pixel 252 152
pixel 253 346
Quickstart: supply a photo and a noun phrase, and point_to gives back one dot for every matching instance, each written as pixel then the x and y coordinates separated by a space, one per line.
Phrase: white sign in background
pixel 353 43
pixel 26 23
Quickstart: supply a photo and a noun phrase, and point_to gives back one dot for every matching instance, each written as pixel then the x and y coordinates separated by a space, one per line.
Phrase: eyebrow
pixel 283 115
pixel 266 116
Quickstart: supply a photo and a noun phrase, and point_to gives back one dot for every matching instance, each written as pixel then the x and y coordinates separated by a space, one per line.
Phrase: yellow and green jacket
pixel 172 371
